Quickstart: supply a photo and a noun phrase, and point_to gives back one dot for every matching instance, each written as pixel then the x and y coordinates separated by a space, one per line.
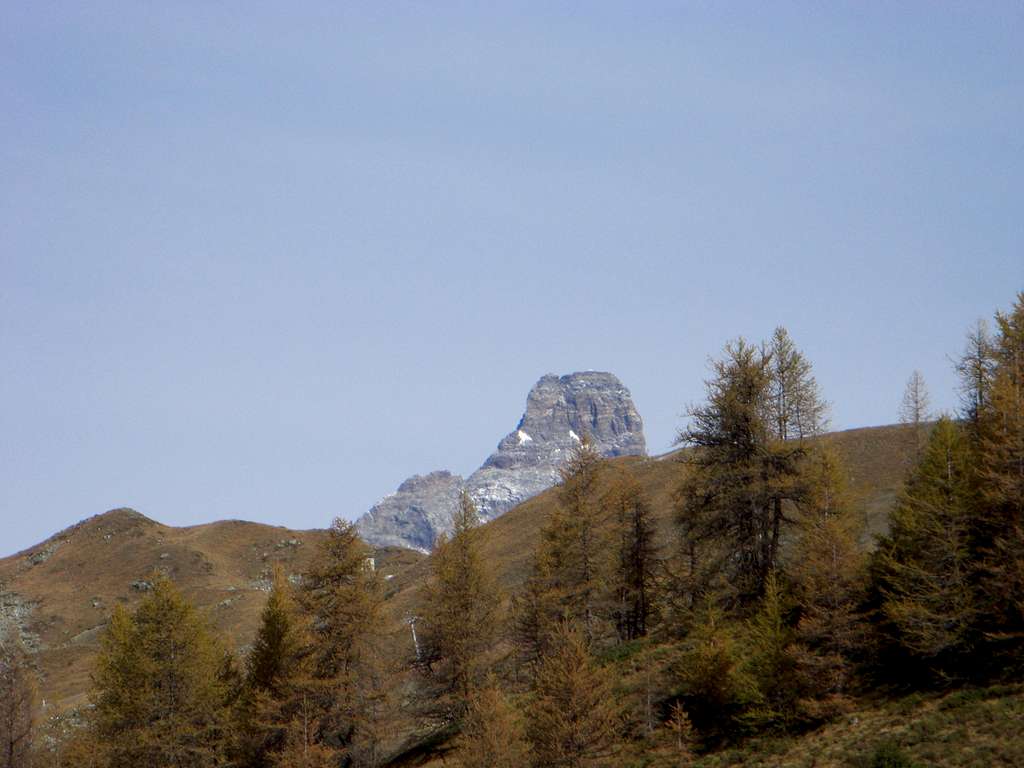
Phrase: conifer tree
pixel 683 735
pixel 460 612
pixel 567 577
pixel 17 705
pixel 743 481
pixel 493 735
pixel 828 574
pixel 770 659
pixel 716 681
pixel 574 721
pixel 275 651
pixel 158 697
pixel 998 536
pixel 637 557
pixel 923 566
pixel 300 747
pixel 342 596
pixel 915 410
pixel 535 612
pixel 795 407
pixel 276 679
pixel 828 577
pixel 573 536
pixel 974 368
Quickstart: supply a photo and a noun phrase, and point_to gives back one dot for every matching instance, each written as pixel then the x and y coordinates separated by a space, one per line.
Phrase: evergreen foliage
pixel 636 563
pixel 493 733
pixel 569 572
pixel 159 698
pixel 535 611
pixel 344 706
pixel 828 578
pixel 923 567
pixel 998 532
pixel 770 660
pixel 716 682
pixel 746 473
pixel 460 612
pixel 572 547
pixel 574 721
pixel 276 680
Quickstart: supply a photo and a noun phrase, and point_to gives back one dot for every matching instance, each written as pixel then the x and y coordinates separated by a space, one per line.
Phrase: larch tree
pixel 535 614
pixel 915 410
pixel 159 698
pixel 770 660
pixel 975 369
pixel 636 561
pixel 493 733
pixel 998 537
pixel 276 679
pixel 577 497
pixel 712 671
pixel 345 706
pixel 301 747
pixel 828 576
pixel 573 720
pixel 17 704
pixel 683 735
pixel 923 567
pixel 795 407
pixel 460 611
pixel 742 482
pixel 567 568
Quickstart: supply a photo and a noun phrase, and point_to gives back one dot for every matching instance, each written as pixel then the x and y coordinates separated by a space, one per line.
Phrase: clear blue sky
pixel 265 261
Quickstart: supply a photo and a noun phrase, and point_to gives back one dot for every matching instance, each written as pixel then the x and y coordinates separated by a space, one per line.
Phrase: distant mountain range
pixel 559 411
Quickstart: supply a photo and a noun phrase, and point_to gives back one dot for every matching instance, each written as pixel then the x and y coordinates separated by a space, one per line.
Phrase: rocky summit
pixel 559 411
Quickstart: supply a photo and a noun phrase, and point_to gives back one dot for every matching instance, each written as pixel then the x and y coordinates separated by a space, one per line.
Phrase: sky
pixel 265 261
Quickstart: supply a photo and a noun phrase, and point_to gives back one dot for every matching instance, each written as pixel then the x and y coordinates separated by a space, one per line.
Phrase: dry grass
pixel 974 727
pixel 222 568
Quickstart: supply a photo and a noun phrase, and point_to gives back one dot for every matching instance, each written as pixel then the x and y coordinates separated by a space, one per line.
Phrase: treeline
pixel 760 611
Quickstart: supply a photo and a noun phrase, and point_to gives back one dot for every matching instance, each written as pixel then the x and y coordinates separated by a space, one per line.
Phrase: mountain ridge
pixel 57 595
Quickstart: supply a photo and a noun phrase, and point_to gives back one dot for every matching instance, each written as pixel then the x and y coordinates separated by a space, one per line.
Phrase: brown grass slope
pixel 61 593
pixel 976 728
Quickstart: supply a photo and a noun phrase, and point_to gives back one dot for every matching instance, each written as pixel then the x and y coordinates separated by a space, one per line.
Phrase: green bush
pixel 889 755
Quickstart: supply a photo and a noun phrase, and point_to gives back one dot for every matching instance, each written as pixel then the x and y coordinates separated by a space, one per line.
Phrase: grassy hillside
pixel 61 592
pixel 972 727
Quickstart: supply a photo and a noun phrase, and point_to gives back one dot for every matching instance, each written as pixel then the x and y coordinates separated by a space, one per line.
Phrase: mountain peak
pixel 559 411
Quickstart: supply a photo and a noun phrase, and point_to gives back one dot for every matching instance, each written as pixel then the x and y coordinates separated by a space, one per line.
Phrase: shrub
pixel 889 755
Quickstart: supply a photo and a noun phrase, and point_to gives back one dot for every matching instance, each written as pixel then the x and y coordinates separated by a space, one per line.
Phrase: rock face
pixel 413 515
pixel 559 411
